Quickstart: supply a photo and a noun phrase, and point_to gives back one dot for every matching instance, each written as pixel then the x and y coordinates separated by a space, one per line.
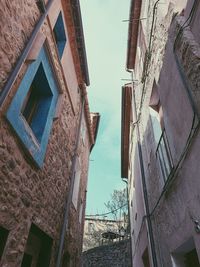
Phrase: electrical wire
pixel 103 214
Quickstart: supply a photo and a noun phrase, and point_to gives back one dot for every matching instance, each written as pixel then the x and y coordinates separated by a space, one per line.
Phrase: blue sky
pixel 106 43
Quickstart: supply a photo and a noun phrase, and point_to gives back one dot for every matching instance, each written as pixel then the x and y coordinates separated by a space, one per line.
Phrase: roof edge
pixel 125 128
pixel 95 125
pixel 134 16
pixel 76 11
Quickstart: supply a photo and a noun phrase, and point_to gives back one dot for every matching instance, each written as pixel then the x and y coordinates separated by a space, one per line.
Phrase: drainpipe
pixel 145 194
pixel 129 219
pixel 11 79
pixel 70 192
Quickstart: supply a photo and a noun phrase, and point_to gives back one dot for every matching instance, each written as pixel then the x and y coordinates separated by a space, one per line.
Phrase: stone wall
pixel 29 194
pixel 17 21
pixel 114 255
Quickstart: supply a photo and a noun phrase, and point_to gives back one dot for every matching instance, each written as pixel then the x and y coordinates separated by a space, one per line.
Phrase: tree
pixel 118 206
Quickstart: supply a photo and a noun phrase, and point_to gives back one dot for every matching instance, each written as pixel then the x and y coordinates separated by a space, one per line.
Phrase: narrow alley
pixel 129 146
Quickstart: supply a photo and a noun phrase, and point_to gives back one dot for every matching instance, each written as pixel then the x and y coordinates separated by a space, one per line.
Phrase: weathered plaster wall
pixel 117 254
pixel 154 183
pixel 172 224
pixel 27 194
pixel 173 216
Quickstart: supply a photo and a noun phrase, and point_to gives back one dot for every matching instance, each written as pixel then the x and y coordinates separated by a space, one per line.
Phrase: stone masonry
pixel 28 194
pixel 114 255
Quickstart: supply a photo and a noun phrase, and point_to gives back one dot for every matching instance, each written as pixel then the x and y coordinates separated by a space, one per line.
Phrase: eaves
pixel 79 35
pixel 125 128
pixel 134 17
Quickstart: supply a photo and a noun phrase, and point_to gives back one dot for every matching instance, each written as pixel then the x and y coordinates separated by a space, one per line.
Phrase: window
pixel 186 255
pixel 67 262
pixel 38 248
pixel 163 155
pixel 27 260
pixel 37 103
pixel 163 152
pixel 81 212
pixel 83 131
pixel 191 258
pixel 59 33
pixel 157 130
pixel 33 107
pixel 3 239
pixel 110 227
pixel 145 258
pixel 90 228
pixel 76 184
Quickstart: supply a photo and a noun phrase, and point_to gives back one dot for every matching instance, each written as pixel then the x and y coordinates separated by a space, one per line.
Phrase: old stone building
pixel 105 243
pixel 99 231
pixel 160 132
pixel 46 133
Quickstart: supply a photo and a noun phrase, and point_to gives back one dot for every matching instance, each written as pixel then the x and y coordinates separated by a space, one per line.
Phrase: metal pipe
pixel 129 219
pixel 6 89
pixel 70 192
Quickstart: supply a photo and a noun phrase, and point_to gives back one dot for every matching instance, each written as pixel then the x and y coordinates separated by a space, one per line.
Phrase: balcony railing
pixel 164 157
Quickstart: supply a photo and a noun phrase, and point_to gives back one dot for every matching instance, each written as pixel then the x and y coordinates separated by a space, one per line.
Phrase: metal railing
pixel 164 156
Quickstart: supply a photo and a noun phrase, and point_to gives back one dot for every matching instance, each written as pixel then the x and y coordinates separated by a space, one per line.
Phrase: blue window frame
pixel 33 107
pixel 59 33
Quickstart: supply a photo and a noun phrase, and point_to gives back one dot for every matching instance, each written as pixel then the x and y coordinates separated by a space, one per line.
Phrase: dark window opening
pixel 37 103
pixel 59 33
pixel 186 255
pixel 27 260
pixel 66 260
pixel 163 154
pixel 145 258
pixel 191 259
pixel 3 238
pixel 33 108
pixel 38 249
